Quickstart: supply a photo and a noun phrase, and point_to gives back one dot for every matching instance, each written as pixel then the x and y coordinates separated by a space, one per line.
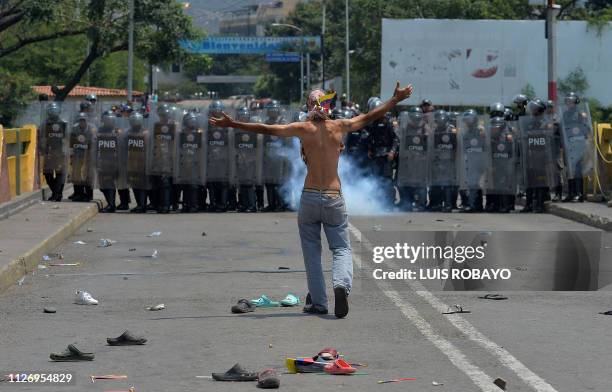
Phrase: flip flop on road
pixel 72 354
pixel 340 367
pixel 268 379
pixel 458 309
pixel 495 297
pixel 236 373
pixel 264 302
pixel 290 300
pixel 126 339
pixel 243 306
pixel 608 313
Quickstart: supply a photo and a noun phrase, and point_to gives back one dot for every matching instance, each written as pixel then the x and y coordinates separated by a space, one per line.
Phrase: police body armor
pixel 382 139
pixel 536 151
pixel 577 140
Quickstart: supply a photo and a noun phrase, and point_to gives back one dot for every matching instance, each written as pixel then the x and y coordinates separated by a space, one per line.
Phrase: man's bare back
pixel 321 139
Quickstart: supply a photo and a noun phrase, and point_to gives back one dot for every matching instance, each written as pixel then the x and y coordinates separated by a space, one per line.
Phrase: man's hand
pixel 223 122
pixel 402 93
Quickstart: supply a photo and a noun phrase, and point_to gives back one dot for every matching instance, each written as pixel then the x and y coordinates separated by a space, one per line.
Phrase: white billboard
pixel 477 62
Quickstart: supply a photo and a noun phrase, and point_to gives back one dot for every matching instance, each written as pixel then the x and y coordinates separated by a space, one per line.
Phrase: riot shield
pixel 577 139
pixel 536 151
pixel 138 161
pixel 190 165
pixel 247 163
pixel 443 157
pixel 54 138
pixel 108 158
pixel 82 151
pixel 501 139
pixel 473 154
pixel 162 161
pixel 413 163
pixel 218 154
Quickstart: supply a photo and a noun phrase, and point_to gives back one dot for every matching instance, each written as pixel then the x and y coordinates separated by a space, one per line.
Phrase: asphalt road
pixel 535 341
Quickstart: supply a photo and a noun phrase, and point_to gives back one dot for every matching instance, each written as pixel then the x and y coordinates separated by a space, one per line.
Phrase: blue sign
pixel 283 57
pixel 252 45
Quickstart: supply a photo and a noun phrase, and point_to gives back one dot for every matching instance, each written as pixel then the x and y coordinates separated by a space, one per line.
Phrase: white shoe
pixel 84 298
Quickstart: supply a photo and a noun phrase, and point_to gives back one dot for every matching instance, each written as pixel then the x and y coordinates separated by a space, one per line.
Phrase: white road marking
pixel 464 326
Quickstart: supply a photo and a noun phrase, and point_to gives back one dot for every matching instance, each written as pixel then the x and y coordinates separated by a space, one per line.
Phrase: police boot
pixel 571 190
pixel 538 200
pixel 77 195
pixel 124 200
pixel 528 201
pixel 109 195
pixel 259 194
pixel 448 199
pixel 578 189
pixel 194 199
pixel 492 203
pixel 464 199
pixel 223 191
pixel 88 193
pixel 59 190
pixel 141 201
pixel 165 194
pixel 271 198
pixel 251 205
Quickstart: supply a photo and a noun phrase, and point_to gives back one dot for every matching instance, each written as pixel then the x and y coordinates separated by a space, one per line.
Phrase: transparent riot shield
pixel 414 146
pixel 139 146
pixel 443 156
pixel 108 158
pixel 217 154
pixel 54 140
pixel 163 146
pixel 502 139
pixel 82 151
pixel 190 164
pixel 537 159
pixel 473 153
pixel 247 162
pixel 577 139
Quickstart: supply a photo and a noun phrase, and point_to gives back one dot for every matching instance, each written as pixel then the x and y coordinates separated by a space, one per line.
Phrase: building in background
pixel 252 19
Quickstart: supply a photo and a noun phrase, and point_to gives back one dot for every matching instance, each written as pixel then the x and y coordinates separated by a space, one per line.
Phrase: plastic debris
pixel 46 257
pixel 79 243
pixel 109 377
pixel 49 309
pixel 203 234
pixel 105 243
pixel 501 383
pixel 64 264
pixel 20 281
pixel 397 380
pixel 42 266
pixel 155 234
pixel 377 227
pixel 156 307
pixel 154 254
pixel 89 230
pixel 276 222
pixel 131 249
pixel 283 268
pixel 55 207
pixel 437 384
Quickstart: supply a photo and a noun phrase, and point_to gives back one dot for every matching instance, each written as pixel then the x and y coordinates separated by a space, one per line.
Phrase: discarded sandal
pixel 607 313
pixel 264 302
pixel 236 373
pixel 126 339
pixel 305 365
pixel 458 309
pixel 243 306
pixel 268 379
pixel 327 354
pixel 72 354
pixel 290 300
pixel 340 367
pixel 495 297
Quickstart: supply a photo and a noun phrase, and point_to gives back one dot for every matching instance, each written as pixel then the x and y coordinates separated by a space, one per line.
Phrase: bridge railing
pixel 18 161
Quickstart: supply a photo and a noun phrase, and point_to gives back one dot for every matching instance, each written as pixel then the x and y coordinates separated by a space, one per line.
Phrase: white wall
pixel 442 58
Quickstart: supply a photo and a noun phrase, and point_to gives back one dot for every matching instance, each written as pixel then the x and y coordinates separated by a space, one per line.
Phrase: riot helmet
pixel 520 100
pixel 53 111
pixel 108 119
pixel 85 106
pixel 441 118
pixel 82 119
pixel 426 105
pixel 136 120
pixel 508 115
pixel 92 98
pixel 215 109
pixel 452 118
pixel 243 114
pixel 163 111
pixel 571 99
pixel 550 106
pixel 536 107
pixel 470 118
pixel 373 103
pixel 415 116
pixel 190 120
pixel 496 110
pixel 273 109
pixel 498 122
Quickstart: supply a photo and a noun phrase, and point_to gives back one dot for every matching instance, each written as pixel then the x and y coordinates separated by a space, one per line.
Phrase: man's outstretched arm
pixel 360 122
pixel 282 130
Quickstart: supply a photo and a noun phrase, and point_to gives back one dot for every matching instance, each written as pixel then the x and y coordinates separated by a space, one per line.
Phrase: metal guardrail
pixel 18 156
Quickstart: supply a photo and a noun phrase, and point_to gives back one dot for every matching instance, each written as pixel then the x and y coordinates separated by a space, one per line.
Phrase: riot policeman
pixel 442 165
pixel 536 155
pixel 356 143
pixel 162 162
pixel 247 164
pixel 108 159
pixel 473 159
pixel 276 166
pixel 501 183
pixel 54 150
pixel 383 145
pixel 412 168
pixel 577 132
pixel 519 106
pixel 217 161
pixel 138 160
pixel 82 162
pixel 191 164
pixel 496 110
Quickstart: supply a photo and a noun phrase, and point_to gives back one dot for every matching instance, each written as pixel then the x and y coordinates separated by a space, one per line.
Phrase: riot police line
pixel 441 161
pixel 171 158
pixel 434 160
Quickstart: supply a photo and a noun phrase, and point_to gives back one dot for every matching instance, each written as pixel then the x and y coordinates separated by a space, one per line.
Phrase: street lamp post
pixel 348 66
pixel 301 53
pixel 130 50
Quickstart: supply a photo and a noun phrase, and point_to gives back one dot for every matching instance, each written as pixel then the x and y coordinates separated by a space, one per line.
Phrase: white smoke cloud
pixel 364 194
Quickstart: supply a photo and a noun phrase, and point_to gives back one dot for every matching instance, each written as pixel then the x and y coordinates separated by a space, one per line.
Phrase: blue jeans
pixel 318 209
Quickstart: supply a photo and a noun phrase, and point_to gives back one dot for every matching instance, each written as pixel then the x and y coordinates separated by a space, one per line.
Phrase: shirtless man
pixel 322 202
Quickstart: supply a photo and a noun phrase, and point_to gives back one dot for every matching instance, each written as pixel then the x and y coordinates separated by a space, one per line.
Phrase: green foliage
pixel 528 91
pixel 575 81
pixel 15 94
pixel 196 64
